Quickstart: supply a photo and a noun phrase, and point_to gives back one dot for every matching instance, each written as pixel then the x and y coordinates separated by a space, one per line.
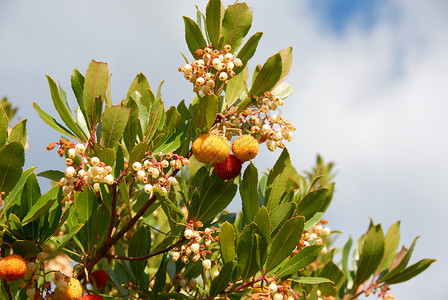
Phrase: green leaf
pixel 138 153
pixel 42 205
pixel 333 273
pixel 140 245
pixel 114 122
pixel 227 242
pixel 283 90
pixel 345 255
pixel 249 193
pixel 286 55
pixel 215 195
pixel 313 221
pixel 160 278
pixel 94 93
pixel 263 223
pixel 26 249
pixel 174 140
pixel 310 280
pixel 268 76
pixel 14 196
pixel 213 21
pixel 156 119
pixel 391 243
pixel 411 271
pixel 223 279
pixel 77 81
pixel 18 132
pixel 284 242
pixel 400 262
pixel 193 36
pixel 205 113
pixel 280 214
pixel 12 159
pixel 131 130
pixel 312 203
pixel 248 50
pixel 247 251
pixel 67 238
pixel 63 110
pixel 371 255
pixel 277 180
pixel 106 155
pixel 52 122
pixel 236 24
pixel 234 88
pixel 4 124
pixel 299 261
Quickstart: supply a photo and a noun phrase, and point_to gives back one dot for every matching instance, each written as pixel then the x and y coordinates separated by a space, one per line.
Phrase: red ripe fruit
pixel 92 297
pixel 228 169
pixel 100 277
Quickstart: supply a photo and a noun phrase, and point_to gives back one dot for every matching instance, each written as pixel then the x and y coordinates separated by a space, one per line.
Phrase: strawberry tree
pixel 139 212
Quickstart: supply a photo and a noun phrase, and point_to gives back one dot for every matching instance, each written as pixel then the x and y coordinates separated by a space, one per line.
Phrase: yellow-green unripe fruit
pixel 245 147
pixel 211 148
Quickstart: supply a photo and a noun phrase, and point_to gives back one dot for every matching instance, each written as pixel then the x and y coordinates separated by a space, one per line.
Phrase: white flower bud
pixel 31 267
pixel 148 188
pixel 141 175
pixel 183 283
pixel 278 296
pixel 70 172
pixel 207 264
pixel 41 256
pixel 237 62
pixel 80 149
pixel 172 181
pixel 326 231
pixel 228 57
pixel 271 145
pixel 136 166
pixel 223 76
pixel 200 81
pixel 96 187
pixel 273 287
pixel 95 161
pixel 188 233
pixel 71 153
pixel 195 248
pixel 176 256
pixel 164 163
pixel 109 179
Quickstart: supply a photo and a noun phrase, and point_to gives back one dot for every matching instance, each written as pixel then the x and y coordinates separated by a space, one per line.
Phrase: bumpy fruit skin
pixel 12 267
pixel 73 291
pixel 100 277
pixel 228 169
pixel 211 148
pixel 92 297
pixel 245 147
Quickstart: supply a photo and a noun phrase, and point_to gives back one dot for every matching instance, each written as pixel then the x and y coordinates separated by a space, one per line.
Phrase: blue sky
pixel 370 94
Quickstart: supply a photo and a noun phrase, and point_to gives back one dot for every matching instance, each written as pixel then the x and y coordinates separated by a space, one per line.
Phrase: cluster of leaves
pixel 133 235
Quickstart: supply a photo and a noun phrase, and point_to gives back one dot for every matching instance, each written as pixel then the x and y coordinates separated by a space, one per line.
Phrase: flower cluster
pixel 262 121
pixel 212 69
pixel 158 173
pixel 197 246
pixel 90 171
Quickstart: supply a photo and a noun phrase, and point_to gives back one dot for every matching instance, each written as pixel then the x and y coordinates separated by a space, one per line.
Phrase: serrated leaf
pixel 268 76
pixel 12 159
pixel 114 122
pixel 277 180
pixel 223 279
pixel 18 132
pixel 248 50
pixel 63 110
pixel 52 122
pixel 312 203
pixel 299 261
pixel 156 119
pixel 4 124
pixel 94 92
pixel 280 214
pixel 193 36
pixel 249 193
pixel 138 153
pixel 310 280
pixel 411 271
pixel 67 238
pixel 313 221
pixel 247 251
pixel 140 245
pixel 370 256
pixel 263 223
pixel 213 21
pixel 236 24
pixel 42 205
pixel 227 242
pixel 205 113
pixel 284 242
pixel 286 55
